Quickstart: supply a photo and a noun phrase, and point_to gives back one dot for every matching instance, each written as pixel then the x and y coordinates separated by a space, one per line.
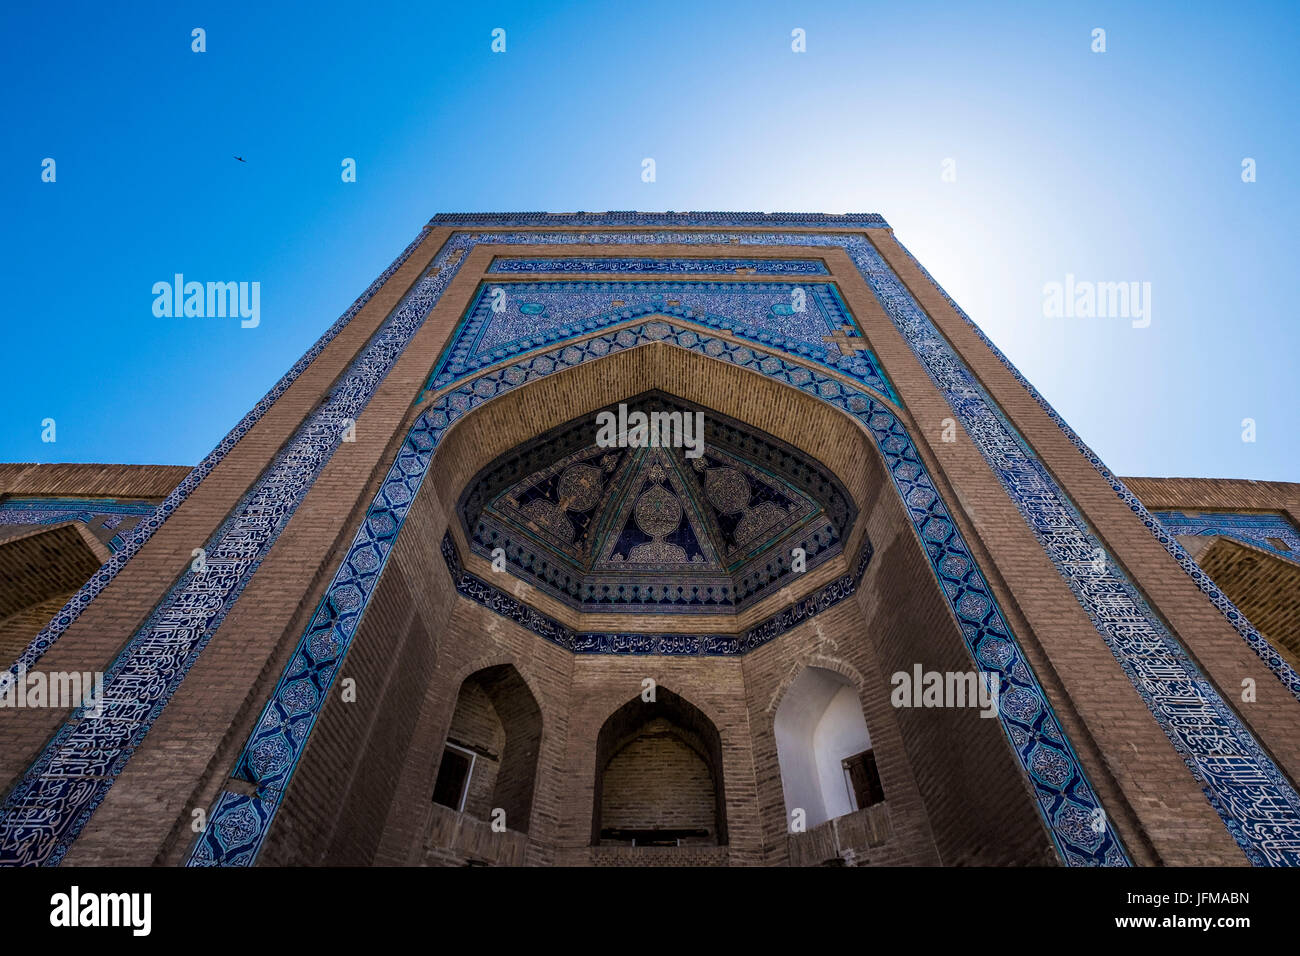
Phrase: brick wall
pixel 1264 587
pixel 658 781
pixel 41 566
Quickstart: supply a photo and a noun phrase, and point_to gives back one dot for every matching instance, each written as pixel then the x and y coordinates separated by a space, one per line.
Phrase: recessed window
pixel 453 777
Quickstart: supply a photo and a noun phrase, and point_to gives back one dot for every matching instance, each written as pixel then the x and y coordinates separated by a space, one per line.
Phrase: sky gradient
pixel 1123 166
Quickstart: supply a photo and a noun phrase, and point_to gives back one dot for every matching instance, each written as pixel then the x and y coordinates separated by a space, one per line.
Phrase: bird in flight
pixel 241 159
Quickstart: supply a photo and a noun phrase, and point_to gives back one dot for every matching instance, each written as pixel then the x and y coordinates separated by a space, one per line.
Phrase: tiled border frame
pixel 46 810
pixel 461 242
pixel 1252 528
pixel 1258 805
pixel 240 821
pixel 1262 648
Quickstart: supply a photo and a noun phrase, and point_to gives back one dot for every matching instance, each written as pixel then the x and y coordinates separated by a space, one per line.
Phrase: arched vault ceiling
pixel 705 527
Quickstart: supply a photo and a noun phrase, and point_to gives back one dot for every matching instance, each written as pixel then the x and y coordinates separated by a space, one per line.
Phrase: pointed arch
pixel 489 760
pixel 659 774
pixel 775 392
pixel 824 748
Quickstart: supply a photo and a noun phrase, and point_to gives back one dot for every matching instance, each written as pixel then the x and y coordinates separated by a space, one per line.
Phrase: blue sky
pixel 1116 166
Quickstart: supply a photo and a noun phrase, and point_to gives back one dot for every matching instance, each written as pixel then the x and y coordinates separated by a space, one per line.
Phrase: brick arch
pixel 793 416
pixel 823 414
pixel 802 663
pixel 827 418
pixel 693 728
pixel 519 717
pixel 704 706
pixel 485 661
pixel 804 764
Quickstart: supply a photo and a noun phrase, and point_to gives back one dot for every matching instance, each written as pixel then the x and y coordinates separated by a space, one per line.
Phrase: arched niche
pixel 489 759
pixel 860 453
pixel 659 776
pixel 824 748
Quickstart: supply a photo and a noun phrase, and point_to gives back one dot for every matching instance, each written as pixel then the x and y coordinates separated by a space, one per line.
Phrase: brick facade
pixel 427 666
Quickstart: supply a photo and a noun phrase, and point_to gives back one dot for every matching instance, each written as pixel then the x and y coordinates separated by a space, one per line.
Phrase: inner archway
pixel 659 776
pixel 489 759
pixel 824 749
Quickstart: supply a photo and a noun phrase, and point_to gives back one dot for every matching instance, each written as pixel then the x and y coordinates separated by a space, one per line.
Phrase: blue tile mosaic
pixel 566 515
pixel 800 319
pixel 1272 532
pixel 708 645
pixel 40 510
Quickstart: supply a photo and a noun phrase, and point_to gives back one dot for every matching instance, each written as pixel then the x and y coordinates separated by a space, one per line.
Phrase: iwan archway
pixel 332 587
pixel 977 804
